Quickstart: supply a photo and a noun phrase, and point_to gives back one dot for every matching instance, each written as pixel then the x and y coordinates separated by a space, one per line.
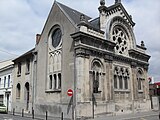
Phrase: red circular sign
pixel 70 92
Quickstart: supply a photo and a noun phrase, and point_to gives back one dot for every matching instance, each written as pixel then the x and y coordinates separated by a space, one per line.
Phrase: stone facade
pixel 97 58
pixel 22 82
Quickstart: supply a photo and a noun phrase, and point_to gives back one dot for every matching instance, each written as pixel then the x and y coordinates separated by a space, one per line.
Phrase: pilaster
pixel 109 78
pixel 134 81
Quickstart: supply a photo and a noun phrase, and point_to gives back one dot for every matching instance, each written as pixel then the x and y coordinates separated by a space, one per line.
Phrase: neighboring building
pixel 22 84
pixel 154 89
pixel 154 92
pixel 97 58
pixel 6 68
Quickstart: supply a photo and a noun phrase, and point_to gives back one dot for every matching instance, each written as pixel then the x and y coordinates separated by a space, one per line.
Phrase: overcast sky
pixel 21 20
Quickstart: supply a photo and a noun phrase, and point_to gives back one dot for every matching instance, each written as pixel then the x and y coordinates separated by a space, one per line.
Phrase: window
pixel 120 82
pixel 95 82
pixel 55 81
pixel 140 80
pixel 56 37
pixel 1 99
pixel 0 83
pixel 125 83
pixel 27 66
pixel 50 83
pixel 139 84
pixel 18 91
pixel 119 36
pixel 19 69
pixel 121 78
pixel 4 81
pixel 9 80
pixel 59 80
pixel 115 82
pixel 96 77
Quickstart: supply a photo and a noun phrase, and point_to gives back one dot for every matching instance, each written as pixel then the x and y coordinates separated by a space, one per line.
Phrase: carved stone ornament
pixel 102 2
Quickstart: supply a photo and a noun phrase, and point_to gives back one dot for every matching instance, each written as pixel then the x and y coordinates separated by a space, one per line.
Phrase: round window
pixel 121 40
pixel 56 37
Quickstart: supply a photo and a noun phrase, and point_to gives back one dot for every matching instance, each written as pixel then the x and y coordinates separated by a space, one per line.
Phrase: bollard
pixel 32 113
pixel 62 116
pixel 13 111
pixel 22 112
pixel 46 115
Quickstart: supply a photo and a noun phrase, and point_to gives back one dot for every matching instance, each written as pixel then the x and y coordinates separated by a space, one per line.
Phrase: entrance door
pixel 27 95
pixel 7 101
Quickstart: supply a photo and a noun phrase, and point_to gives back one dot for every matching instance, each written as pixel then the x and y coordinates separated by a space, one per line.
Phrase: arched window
pixel 140 79
pixel 18 91
pixel 97 76
pixel 121 78
pixel 55 53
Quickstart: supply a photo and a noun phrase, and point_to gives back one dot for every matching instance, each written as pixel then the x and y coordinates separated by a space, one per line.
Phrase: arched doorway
pixel 27 95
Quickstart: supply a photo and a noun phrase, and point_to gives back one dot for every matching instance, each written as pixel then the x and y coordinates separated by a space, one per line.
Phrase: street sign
pixel 70 92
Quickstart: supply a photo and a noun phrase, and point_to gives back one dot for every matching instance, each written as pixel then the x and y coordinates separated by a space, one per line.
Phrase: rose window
pixel 120 38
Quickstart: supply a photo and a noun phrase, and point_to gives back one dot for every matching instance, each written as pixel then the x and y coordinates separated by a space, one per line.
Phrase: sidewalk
pixel 37 117
pixel 127 116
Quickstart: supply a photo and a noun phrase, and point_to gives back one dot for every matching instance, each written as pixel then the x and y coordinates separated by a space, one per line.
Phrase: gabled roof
pixel 73 15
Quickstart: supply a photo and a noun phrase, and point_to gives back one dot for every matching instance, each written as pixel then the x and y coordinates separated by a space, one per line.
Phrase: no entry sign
pixel 70 92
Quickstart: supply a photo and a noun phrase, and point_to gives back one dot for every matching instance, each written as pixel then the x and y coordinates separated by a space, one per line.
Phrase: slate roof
pixel 95 23
pixel 74 15
pixel 28 53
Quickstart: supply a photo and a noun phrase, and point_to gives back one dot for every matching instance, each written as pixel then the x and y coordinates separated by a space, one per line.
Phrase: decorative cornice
pixel 141 47
pixel 87 45
pixel 81 38
pixel 138 55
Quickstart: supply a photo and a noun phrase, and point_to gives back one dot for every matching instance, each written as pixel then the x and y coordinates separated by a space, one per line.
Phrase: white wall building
pixel 6 68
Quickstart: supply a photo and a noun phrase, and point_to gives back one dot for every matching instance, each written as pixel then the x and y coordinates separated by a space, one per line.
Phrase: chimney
pixel 38 36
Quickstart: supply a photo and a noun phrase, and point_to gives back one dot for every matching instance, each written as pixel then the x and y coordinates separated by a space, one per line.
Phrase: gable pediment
pixel 118 10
